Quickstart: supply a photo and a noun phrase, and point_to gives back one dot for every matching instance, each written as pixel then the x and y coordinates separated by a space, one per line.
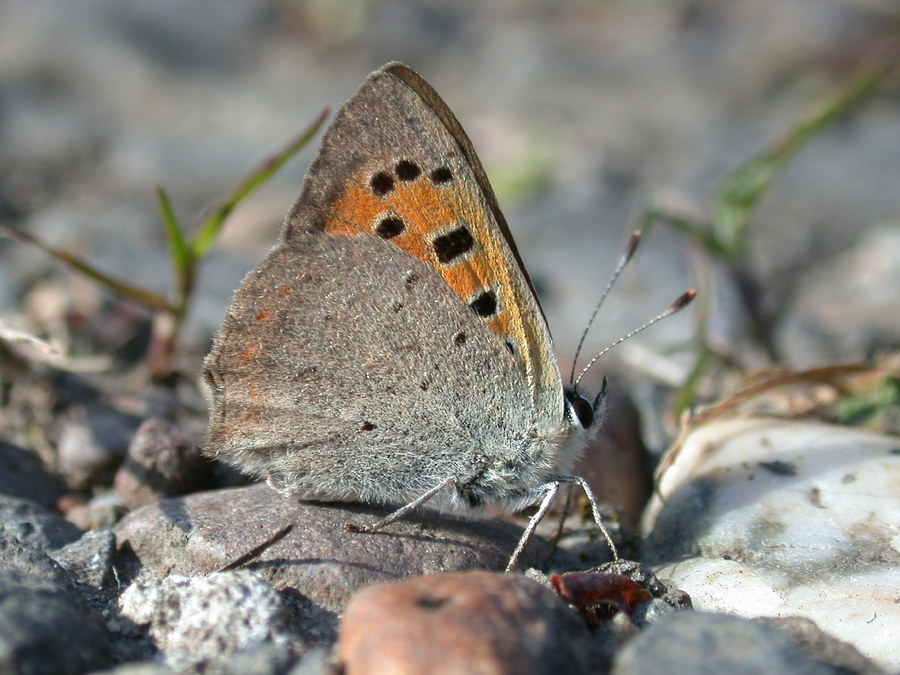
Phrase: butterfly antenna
pixel 630 248
pixel 683 301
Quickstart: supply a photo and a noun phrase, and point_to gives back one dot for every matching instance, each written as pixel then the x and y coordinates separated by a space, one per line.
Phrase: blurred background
pixel 584 113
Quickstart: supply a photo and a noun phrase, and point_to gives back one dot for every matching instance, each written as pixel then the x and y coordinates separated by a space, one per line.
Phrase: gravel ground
pixel 583 113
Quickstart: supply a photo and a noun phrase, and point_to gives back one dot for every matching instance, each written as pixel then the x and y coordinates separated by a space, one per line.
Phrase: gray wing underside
pixel 396 115
pixel 346 368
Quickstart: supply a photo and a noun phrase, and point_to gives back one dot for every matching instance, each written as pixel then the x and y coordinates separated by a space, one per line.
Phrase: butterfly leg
pixel 595 509
pixel 563 517
pixel 552 488
pixel 406 508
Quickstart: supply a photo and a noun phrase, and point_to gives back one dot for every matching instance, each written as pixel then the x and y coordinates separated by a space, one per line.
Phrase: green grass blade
pixel 742 191
pixel 179 252
pixel 139 295
pixel 211 225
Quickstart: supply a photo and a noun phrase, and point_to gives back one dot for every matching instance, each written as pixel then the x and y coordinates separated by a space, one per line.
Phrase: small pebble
pixel 161 462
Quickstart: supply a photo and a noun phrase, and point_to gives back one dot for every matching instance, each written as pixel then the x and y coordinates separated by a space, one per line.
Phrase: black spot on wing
pixel 407 170
pixel 389 227
pixel 484 304
pixel 453 244
pixel 381 183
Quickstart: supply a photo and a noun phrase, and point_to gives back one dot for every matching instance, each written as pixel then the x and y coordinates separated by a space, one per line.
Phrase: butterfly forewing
pixel 407 173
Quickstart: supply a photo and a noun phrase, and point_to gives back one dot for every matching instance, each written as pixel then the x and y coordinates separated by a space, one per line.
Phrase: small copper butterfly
pixel 391 348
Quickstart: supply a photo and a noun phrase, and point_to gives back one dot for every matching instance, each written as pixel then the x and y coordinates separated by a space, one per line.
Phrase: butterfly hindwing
pixel 308 393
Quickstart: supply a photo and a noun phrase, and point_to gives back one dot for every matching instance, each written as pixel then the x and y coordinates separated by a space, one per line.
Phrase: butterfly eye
pixel 582 409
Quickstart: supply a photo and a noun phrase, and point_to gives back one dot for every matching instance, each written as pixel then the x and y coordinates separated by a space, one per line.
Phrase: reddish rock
pixel 474 622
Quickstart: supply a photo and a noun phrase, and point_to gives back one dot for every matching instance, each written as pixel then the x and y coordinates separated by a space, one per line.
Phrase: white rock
pixel 768 517
pixel 206 619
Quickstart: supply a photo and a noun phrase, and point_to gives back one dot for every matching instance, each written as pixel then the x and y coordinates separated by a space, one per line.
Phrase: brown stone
pixel 472 622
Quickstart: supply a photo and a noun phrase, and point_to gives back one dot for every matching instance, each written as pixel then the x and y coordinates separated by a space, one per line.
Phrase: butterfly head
pixel 583 412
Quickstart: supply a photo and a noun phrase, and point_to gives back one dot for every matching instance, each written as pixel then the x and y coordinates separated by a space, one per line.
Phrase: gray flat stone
pixel 318 557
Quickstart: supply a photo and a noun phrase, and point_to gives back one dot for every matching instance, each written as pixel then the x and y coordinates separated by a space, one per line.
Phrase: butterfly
pixel 391 347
